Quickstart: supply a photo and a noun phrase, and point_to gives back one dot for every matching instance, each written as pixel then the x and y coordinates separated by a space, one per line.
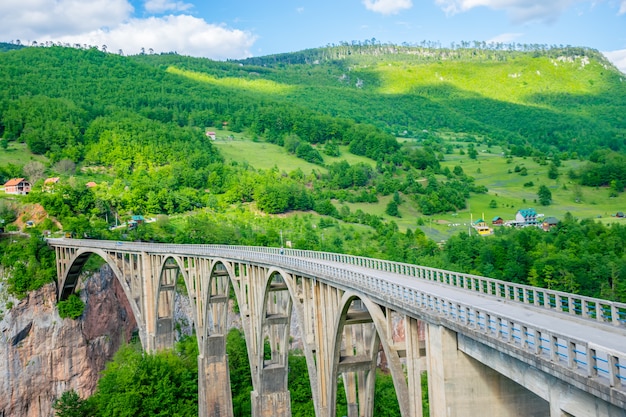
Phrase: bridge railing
pixel 588 307
pixel 587 359
pixel 592 360
pixel 602 311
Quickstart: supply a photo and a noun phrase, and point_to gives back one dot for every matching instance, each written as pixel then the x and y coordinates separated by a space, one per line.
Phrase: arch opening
pixel 276 322
pixel 359 365
pixel 129 310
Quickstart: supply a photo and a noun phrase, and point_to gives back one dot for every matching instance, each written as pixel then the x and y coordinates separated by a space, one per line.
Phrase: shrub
pixel 71 308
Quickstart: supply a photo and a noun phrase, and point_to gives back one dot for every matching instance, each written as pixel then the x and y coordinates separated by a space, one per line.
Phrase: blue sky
pixel 221 29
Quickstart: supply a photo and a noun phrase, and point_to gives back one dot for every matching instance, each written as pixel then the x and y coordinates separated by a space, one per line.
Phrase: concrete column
pixel 214 395
pixel 460 386
pixel 413 367
pixel 273 400
pixel 149 299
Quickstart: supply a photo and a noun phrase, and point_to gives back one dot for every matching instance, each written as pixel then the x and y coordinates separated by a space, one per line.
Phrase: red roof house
pixel 49 183
pixel 17 186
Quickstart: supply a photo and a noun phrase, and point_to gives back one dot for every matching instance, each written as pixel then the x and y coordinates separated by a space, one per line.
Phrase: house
pixel 549 222
pixel 49 183
pixel 91 184
pixel 497 221
pixel 481 227
pixel 526 217
pixel 138 219
pixel 210 135
pixel 619 214
pixel 17 186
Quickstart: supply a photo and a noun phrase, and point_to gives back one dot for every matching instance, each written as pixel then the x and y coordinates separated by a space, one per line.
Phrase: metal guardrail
pixel 597 309
pixel 588 359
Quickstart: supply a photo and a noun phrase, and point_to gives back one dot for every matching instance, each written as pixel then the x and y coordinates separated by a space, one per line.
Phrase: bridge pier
pixel 560 399
pixel 459 385
pixel 479 361
pixel 214 396
pixel 274 399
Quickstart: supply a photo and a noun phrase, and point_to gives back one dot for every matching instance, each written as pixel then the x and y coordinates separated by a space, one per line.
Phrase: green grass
pixel 18 154
pixel 507 188
pixel 263 155
pixel 522 77
pixel 259 85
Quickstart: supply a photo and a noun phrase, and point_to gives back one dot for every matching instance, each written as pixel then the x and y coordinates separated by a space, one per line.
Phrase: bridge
pixel 489 347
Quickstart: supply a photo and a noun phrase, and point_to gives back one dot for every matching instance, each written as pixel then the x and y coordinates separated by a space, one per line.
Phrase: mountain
pixel 413 115
pixel 557 100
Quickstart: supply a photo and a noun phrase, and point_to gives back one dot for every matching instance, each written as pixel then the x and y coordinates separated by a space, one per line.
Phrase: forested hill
pixel 554 100
pixel 395 127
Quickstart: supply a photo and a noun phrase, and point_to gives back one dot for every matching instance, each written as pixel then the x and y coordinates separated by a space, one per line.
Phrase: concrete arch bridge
pixel 489 347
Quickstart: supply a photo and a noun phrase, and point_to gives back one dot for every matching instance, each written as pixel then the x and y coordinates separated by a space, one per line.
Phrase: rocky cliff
pixel 42 355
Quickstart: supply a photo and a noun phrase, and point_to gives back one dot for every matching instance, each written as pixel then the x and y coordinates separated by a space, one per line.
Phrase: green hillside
pixel 376 150
pixel 383 151
pixel 562 100
pixel 328 129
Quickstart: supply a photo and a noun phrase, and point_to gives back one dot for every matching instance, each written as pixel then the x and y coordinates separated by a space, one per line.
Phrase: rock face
pixel 42 355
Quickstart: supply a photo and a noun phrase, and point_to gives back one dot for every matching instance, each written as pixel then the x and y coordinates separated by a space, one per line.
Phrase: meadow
pixel 18 154
pixel 263 155
pixel 508 188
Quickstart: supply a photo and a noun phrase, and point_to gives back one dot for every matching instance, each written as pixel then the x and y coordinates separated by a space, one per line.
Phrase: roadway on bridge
pixel 608 337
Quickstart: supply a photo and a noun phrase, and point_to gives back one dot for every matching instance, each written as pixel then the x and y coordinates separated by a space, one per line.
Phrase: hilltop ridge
pixel 561 99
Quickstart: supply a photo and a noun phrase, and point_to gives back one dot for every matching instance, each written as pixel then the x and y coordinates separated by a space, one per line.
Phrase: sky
pixel 234 29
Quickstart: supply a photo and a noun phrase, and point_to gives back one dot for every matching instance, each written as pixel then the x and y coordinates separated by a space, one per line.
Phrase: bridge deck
pixel 585 346
pixel 607 336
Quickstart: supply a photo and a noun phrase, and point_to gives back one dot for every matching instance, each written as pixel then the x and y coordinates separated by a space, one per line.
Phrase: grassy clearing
pixel 512 191
pixel 261 85
pixel 522 78
pixel 18 154
pixel 263 155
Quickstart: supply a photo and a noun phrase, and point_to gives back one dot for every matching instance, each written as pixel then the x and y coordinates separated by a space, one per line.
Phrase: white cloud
pixel 618 58
pixel 30 20
pixel 387 6
pixel 109 22
pixel 162 6
pixel 622 8
pixel 186 35
pixel 519 11
pixel 505 38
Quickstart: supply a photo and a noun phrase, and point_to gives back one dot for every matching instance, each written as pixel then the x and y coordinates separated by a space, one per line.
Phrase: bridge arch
pixel 168 271
pixel 69 282
pixel 221 278
pixel 210 290
pixel 214 299
pixel 464 316
pixel 361 332
pixel 293 287
pixel 276 317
